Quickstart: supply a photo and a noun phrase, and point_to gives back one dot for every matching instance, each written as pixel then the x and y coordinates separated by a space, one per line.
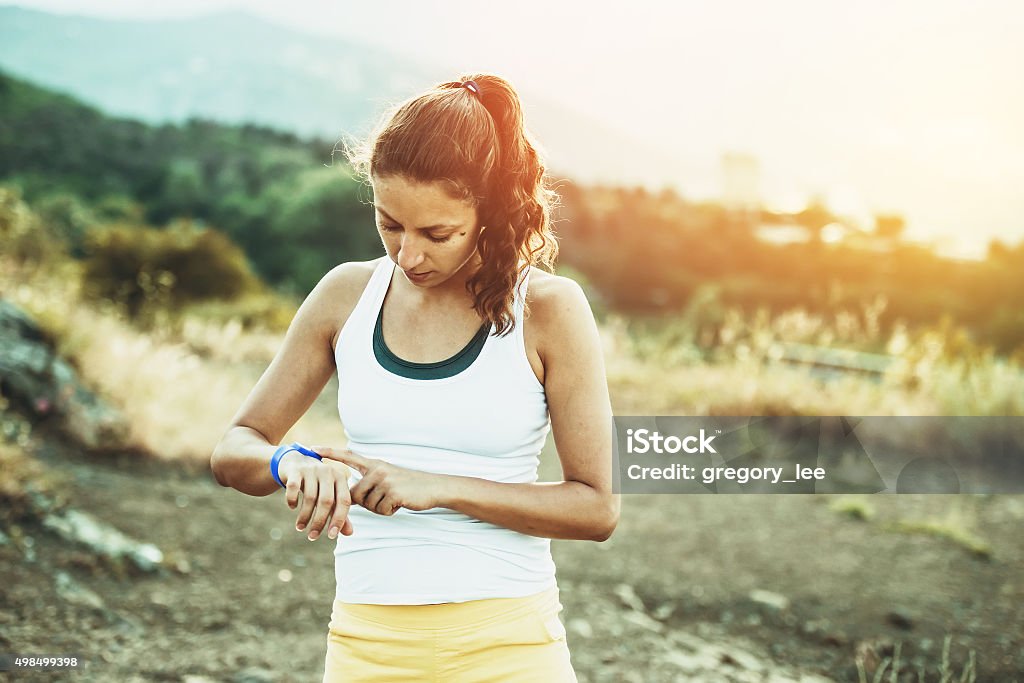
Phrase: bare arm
pixel 295 377
pixel 241 461
pixel 583 506
pixel 565 509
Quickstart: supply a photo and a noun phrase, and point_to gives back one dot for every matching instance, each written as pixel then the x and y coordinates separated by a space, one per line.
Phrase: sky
pixel 907 107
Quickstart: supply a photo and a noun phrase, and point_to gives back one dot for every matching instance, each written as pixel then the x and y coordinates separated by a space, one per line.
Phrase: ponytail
pixel 474 141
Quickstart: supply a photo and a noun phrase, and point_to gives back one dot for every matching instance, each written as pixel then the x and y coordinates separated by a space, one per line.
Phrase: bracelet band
pixel 275 460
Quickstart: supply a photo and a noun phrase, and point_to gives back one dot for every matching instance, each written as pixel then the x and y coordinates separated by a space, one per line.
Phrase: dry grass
pixel 955 521
pixel 179 387
pixel 957 524
pixel 28 489
pixel 890 670
pixel 680 367
pixel 181 383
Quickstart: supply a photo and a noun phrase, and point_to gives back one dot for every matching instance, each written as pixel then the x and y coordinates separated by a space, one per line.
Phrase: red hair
pixel 477 146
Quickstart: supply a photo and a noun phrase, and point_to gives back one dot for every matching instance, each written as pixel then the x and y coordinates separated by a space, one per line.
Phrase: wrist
pixel 281 453
pixel 448 491
pixel 285 464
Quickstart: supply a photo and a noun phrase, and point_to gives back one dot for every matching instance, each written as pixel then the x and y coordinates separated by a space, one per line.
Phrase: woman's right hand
pixel 319 489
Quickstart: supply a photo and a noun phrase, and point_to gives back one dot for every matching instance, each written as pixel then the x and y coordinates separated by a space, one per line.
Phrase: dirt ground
pixel 690 588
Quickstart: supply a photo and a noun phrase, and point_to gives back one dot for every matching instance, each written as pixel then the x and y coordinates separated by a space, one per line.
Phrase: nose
pixel 410 253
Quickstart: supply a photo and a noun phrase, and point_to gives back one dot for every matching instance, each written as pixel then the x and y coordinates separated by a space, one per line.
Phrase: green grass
pixel 855 507
pixel 946 529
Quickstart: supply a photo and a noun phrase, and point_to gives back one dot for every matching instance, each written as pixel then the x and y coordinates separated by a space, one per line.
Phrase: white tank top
pixel 488 421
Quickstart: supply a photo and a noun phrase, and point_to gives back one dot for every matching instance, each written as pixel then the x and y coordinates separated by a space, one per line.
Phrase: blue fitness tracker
pixel 275 460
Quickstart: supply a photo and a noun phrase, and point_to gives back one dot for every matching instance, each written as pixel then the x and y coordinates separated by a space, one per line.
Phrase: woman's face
pixel 429 235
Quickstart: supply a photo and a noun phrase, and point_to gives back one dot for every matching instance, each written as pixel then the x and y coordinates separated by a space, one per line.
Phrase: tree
pixel 890 226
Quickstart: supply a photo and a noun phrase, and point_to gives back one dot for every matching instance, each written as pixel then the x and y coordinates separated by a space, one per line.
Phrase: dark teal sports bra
pixel 436 370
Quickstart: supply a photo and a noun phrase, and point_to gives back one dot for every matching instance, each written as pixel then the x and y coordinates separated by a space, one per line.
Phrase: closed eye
pixel 396 228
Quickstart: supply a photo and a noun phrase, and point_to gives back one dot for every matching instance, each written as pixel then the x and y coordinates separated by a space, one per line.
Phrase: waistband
pixel 451 615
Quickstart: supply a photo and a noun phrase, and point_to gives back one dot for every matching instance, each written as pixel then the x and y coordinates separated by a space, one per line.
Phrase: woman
pixel 454 356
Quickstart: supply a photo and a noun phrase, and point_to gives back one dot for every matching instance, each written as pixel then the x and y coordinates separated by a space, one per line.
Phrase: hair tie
pixel 472 87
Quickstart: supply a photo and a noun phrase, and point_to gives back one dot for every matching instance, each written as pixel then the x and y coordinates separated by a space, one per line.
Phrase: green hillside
pixel 294 209
pixel 277 196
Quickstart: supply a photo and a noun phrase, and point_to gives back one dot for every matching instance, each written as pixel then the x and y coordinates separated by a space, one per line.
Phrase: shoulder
pixel 559 311
pixel 351 276
pixel 547 291
pixel 343 283
pixel 338 292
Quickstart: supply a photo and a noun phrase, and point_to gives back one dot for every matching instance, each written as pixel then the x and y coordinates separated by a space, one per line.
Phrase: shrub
pixel 148 270
pixel 23 235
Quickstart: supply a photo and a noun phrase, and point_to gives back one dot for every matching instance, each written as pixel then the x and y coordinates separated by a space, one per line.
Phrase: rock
pixel 900 619
pixel 664 611
pixel 161 599
pixel 742 660
pixel 629 598
pixel 691 663
pixel 835 639
pixel 699 658
pixel 581 627
pixel 71 591
pixel 79 527
pixel 770 599
pixel 643 621
pixel 41 384
pixel 253 675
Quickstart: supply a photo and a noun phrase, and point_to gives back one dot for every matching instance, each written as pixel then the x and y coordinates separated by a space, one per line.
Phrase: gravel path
pixel 690 588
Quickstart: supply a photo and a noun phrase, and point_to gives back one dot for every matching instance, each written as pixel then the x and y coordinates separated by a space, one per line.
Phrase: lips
pixel 417 276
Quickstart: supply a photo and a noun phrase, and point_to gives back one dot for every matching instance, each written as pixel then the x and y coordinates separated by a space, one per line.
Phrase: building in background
pixel 741 183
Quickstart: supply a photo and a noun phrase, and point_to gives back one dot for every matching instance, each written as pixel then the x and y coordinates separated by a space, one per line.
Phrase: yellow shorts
pixel 504 640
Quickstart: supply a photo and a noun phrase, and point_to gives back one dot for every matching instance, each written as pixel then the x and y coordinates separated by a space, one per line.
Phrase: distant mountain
pixel 228 66
pixel 235 68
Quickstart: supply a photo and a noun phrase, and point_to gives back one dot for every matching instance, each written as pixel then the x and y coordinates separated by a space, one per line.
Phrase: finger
pixel 388 505
pixel 292 490
pixel 307 503
pixel 292 477
pixel 324 504
pixel 341 507
pixel 346 456
pixel 364 486
pixel 369 496
pixel 374 499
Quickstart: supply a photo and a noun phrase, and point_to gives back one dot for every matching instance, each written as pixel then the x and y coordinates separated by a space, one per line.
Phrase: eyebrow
pixel 429 227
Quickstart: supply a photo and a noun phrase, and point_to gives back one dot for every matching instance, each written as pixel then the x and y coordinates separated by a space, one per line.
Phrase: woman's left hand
pixel 384 487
